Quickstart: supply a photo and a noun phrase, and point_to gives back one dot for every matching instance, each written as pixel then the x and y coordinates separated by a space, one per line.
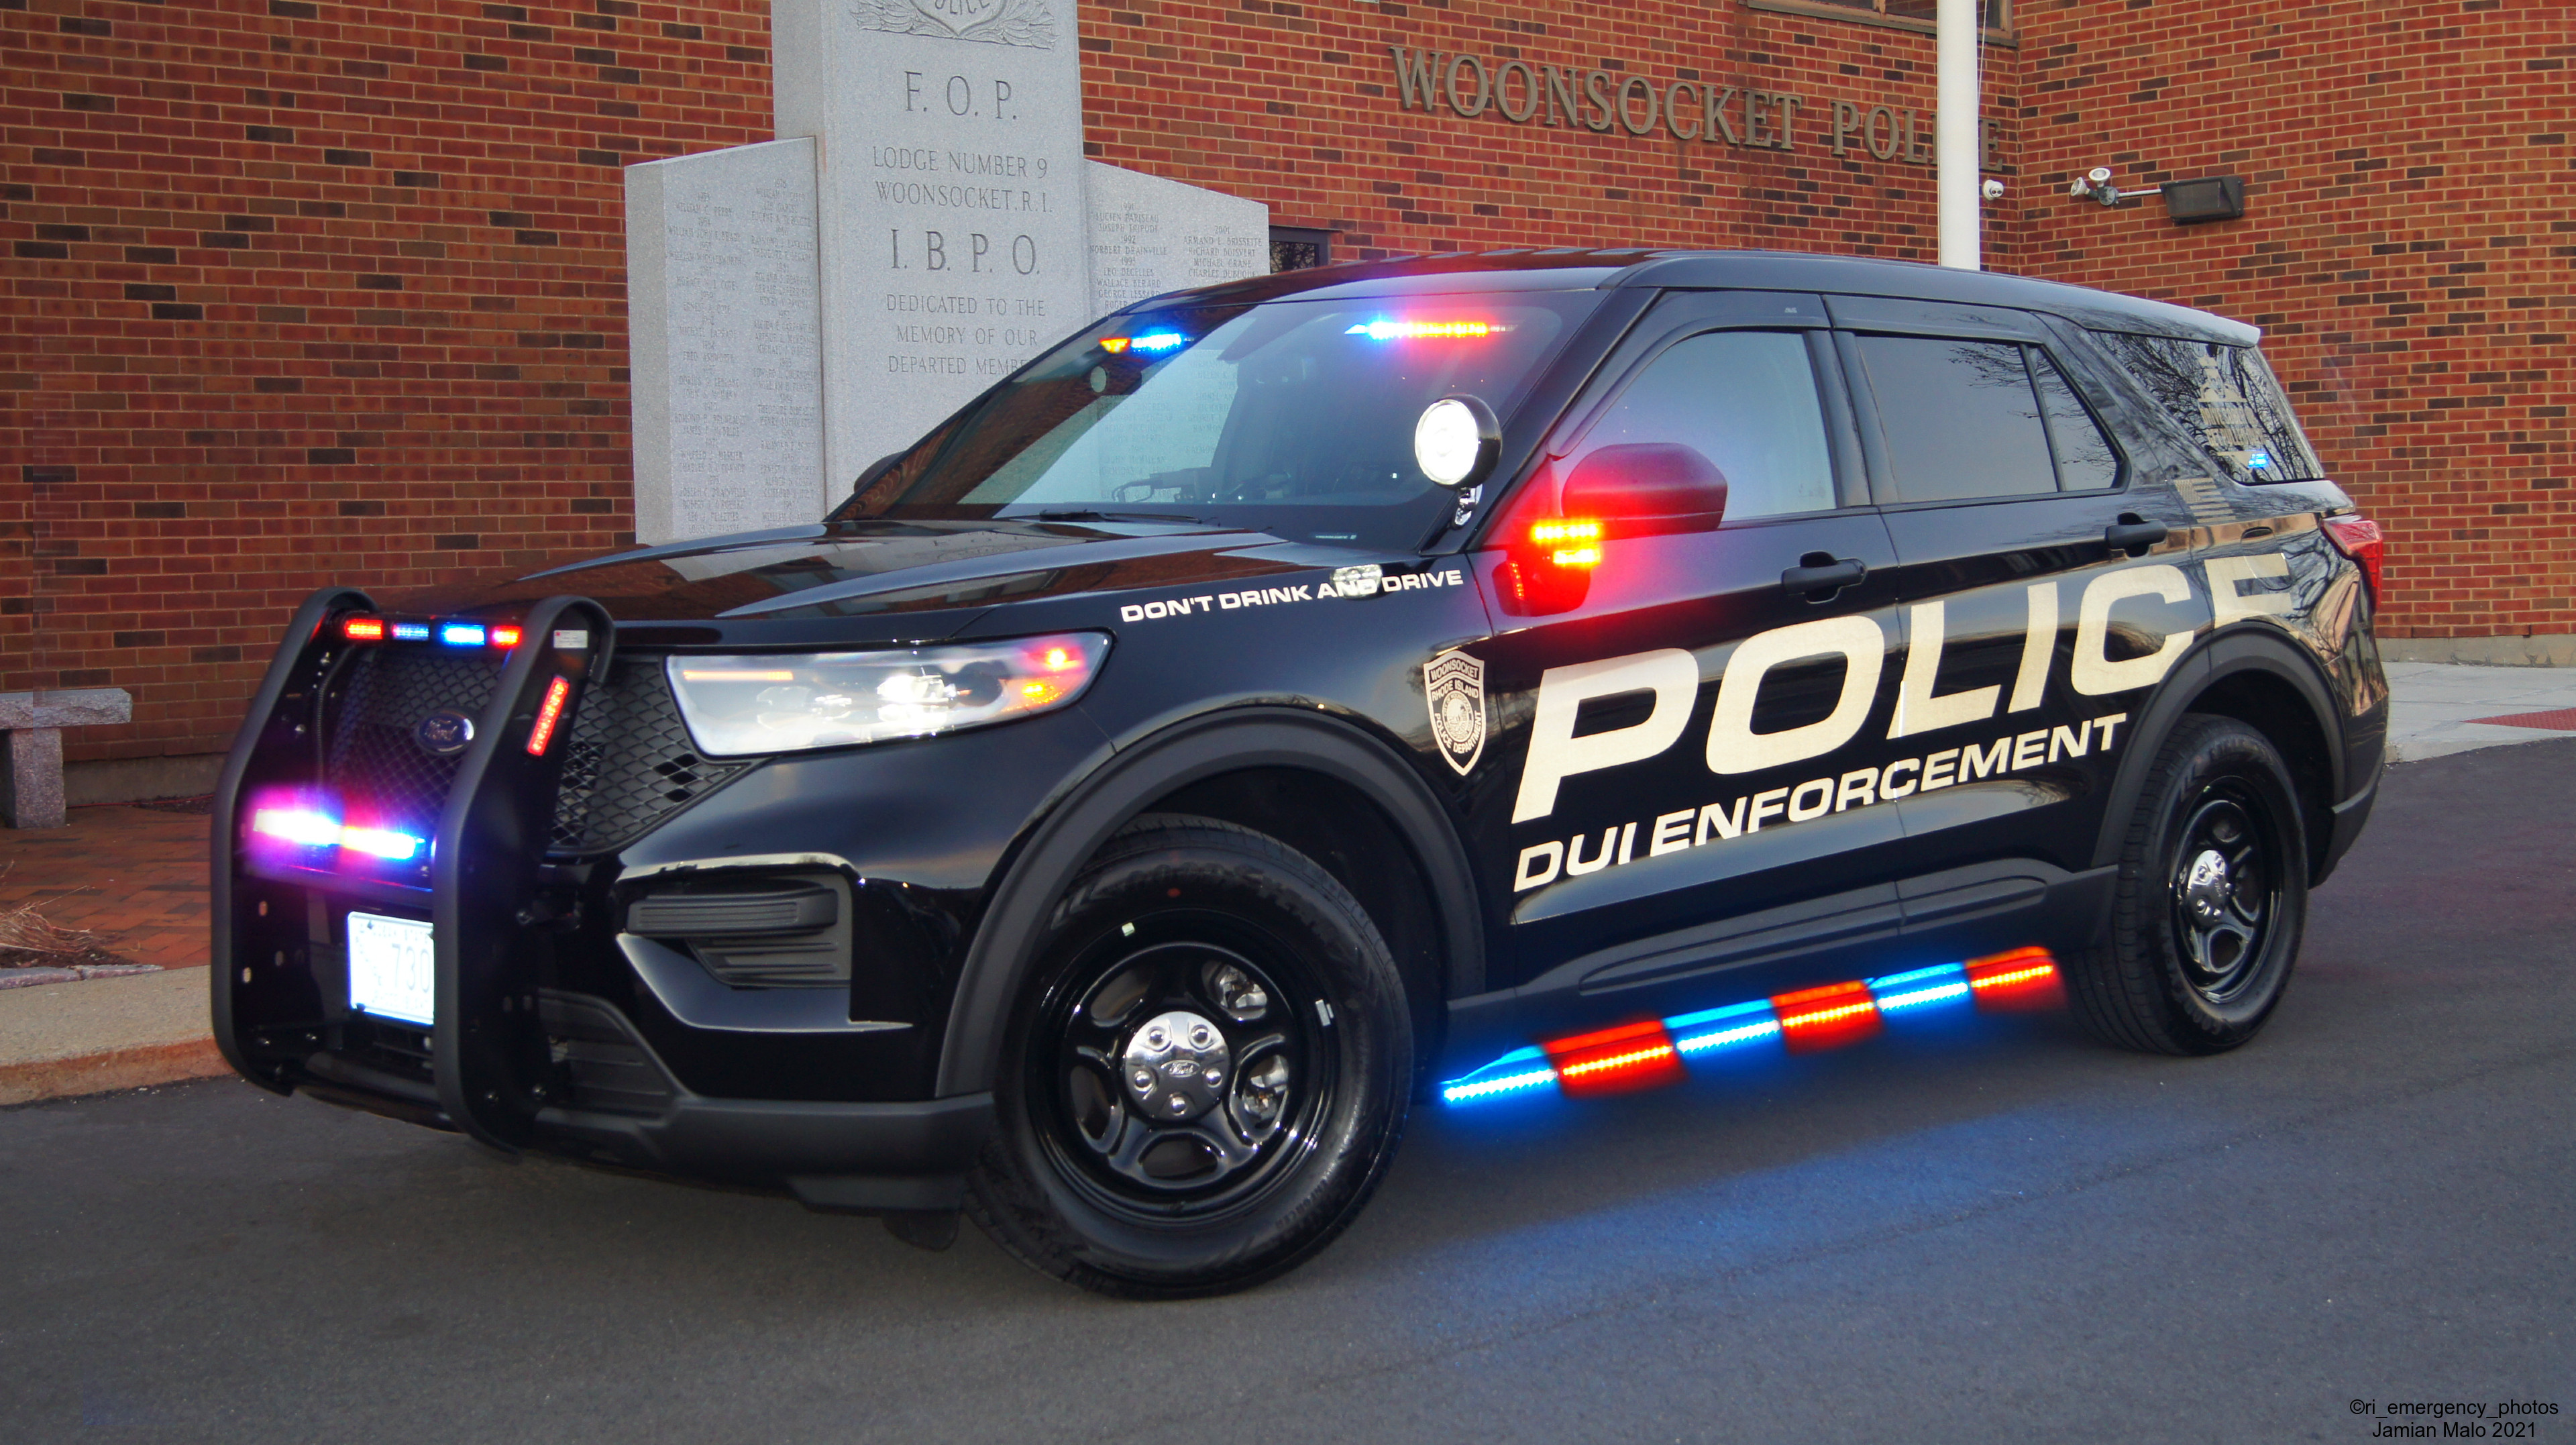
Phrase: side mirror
pixel 1665 485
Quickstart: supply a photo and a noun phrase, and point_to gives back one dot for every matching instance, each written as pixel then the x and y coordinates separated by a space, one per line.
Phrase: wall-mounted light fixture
pixel 2211 198
pixel 2188 203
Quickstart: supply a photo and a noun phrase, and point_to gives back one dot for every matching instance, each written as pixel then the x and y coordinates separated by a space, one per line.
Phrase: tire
pixel 1269 1023
pixel 2212 898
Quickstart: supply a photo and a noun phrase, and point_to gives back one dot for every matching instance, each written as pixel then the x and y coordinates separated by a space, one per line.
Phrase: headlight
pixel 777 704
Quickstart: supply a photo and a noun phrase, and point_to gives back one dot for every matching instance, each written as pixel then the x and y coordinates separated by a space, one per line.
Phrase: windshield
pixel 1291 417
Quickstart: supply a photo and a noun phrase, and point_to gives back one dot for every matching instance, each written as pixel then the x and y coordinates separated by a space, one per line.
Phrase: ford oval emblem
pixel 444 734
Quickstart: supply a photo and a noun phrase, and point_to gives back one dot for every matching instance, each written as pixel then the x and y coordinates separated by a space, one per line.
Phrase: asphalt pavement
pixel 1988 1229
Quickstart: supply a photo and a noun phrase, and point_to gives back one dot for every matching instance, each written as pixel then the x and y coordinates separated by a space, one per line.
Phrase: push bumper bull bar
pixel 487 1066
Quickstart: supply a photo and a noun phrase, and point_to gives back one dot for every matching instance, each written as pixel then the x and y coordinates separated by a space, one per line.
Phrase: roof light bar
pixel 1386 329
pixel 1643 1055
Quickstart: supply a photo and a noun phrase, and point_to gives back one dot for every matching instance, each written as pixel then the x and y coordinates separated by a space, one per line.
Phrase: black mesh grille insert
pixel 630 764
pixel 373 761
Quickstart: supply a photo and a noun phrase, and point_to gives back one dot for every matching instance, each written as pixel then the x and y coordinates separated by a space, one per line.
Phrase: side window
pixel 1960 418
pixel 2085 460
pixel 1747 401
pixel 2228 398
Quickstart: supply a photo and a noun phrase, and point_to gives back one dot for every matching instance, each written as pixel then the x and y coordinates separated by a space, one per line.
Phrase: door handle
pixel 2133 534
pixel 1821 574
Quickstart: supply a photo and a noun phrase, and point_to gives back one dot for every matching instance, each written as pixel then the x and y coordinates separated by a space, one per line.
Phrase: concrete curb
pixel 100 1073
pixel 66 1039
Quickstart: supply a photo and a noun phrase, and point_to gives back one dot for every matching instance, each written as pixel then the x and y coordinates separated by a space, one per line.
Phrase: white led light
pixel 1446 441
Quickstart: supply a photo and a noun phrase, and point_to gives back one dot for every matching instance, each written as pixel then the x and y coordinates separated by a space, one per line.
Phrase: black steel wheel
pixel 1209 1072
pixel 2211 901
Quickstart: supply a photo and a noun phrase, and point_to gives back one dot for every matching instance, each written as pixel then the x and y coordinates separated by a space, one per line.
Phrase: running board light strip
pixel 1645 1055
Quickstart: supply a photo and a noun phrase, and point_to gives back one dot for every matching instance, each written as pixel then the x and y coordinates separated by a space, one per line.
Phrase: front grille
pixel 372 759
pixel 630 762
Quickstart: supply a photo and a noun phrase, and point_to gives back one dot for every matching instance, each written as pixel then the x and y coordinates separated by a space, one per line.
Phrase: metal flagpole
pixel 1954 138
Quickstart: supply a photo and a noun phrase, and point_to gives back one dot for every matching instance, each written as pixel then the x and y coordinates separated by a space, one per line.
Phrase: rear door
pixel 1639 799
pixel 2039 577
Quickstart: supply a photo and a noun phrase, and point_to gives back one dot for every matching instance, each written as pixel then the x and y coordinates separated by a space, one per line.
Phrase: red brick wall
pixel 310 292
pixel 2410 224
pixel 1297 105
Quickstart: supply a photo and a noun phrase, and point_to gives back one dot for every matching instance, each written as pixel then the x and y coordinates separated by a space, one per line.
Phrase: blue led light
pixel 1460 1093
pixel 1890 1003
pixel 1681 1022
pixel 1159 341
pixel 1741 1034
pixel 1920 975
pixel 2259 459
pixel 462 634
pixel 411 632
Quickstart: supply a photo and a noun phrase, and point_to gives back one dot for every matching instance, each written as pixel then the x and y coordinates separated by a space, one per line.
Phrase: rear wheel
pixel 1208 1074
pixel 2211 902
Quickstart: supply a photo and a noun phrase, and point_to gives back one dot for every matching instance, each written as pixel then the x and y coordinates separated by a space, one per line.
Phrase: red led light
pixel 1568 541
pixel 549 713
pixel 1616 1061
pixel 2026 978
pixel 505 637
pixel 363 629
pixel 1826 1018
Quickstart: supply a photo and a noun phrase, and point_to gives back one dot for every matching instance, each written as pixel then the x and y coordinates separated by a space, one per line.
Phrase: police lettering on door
pixel 1671 677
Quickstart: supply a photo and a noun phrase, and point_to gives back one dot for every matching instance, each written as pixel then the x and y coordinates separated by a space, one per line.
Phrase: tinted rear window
pixel 2226 396
pixel 1960 418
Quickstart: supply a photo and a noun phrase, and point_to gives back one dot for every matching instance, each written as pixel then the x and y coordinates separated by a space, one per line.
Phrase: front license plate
pixel 393 968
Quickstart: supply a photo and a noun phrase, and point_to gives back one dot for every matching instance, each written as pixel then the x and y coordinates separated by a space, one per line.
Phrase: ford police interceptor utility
pixel 1447 679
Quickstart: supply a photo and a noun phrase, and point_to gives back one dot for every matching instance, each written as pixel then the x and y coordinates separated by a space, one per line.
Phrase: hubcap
pixel 2222 893
pixel 1180 1078
pixel 1176 1066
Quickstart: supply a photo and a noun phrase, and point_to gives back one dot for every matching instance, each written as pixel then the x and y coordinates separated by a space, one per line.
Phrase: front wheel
pixel 2213 895
pixel 1207 1075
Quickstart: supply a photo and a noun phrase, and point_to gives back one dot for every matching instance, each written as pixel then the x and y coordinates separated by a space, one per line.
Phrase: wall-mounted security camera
pixel 1992 190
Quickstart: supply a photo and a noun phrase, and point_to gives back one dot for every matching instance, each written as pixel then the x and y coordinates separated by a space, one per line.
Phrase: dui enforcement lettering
pixel 1453 687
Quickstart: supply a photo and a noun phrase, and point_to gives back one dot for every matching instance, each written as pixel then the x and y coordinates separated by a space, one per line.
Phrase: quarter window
pixel 2228 398
pixel 1747 401
pixel 2085 461
pixel 1959 417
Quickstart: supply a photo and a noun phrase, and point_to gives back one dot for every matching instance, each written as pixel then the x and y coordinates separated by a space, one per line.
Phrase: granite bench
pixel 31 735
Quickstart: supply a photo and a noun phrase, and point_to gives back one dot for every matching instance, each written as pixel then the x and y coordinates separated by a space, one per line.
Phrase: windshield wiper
pixel 1080 515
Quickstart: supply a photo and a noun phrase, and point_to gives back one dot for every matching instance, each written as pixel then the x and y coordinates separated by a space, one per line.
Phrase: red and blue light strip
pixel 453 634
pixel 1645 1055
pixel 309 827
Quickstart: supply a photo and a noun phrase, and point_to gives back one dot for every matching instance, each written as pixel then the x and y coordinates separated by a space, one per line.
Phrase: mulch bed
pixel 35 951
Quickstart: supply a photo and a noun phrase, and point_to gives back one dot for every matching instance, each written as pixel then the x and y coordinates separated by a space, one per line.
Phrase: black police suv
pixel 1446 679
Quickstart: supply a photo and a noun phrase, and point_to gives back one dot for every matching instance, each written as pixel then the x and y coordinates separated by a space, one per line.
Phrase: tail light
pixel 2360 539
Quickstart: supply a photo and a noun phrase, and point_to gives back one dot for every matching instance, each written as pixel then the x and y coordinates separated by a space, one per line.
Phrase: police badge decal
pixel 1453 687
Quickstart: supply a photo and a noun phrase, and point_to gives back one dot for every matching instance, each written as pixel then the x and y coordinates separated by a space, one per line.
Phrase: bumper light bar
pixel 311 829
pixel 1645 1055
